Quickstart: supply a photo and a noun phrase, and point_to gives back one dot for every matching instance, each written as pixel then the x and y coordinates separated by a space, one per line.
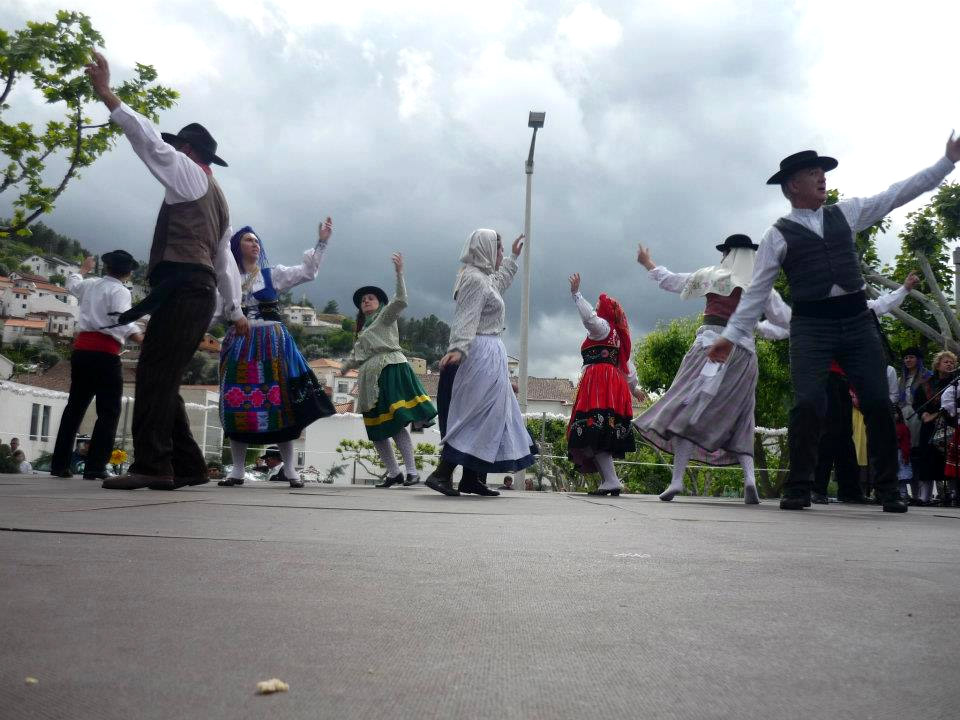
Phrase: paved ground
pixel 401 603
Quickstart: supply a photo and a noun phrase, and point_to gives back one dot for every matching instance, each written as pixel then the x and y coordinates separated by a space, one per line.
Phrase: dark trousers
pixel 836 450
pixel 162 442
pixel 92 374
pixel 855 344
pixel 444 396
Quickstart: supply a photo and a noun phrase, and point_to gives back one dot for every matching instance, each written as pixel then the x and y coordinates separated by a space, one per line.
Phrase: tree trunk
pixel 938 295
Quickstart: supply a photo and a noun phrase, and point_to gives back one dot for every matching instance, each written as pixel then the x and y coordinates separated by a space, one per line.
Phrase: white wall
pixel 17 402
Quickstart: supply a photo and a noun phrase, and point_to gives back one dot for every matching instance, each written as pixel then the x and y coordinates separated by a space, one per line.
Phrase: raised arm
pixel 669 281
pixel 399 302
pixel 861 213
pixel 183 179
pixel 285 277
pixel 891 300
pixel 597 327
pixel 75 284
pixel 508 268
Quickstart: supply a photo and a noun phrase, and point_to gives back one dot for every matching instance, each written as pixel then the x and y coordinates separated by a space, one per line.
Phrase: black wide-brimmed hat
pixel 915 351
pixel 199 138
pixel 737 241
pixel 120 261
pixel 799 161
pixel 272 452
pixel 369 290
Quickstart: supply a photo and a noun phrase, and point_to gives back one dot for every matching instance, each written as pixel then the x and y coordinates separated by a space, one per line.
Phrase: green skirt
pixel 401 400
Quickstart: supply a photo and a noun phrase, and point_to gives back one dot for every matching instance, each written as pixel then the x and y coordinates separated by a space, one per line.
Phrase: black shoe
pixel 793 502
pixel 615 492
pixel 819 499
pixel 894 504
pixel 474 486
pixel 750 495
pixel 389 481
pixel 230 482
pixel 411 480
pixel 61 474
pixel 441 485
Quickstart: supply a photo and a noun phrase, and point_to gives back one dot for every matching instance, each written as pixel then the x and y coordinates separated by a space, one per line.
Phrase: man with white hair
pixel 814 244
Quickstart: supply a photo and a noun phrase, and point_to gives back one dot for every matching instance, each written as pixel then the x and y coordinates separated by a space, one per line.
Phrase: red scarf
pixel 611 311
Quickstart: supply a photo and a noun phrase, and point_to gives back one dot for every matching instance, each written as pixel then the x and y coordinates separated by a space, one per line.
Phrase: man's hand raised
pixel 99 73
pixel 953 148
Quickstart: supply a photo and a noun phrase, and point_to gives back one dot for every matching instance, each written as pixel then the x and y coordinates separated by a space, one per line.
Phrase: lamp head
pixel 536 119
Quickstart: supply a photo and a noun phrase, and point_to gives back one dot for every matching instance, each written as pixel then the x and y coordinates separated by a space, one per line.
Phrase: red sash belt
pixel 96 341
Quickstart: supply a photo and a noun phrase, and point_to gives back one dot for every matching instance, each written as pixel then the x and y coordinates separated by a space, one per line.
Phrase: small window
pixel 300 458
pixel 343 388
pixel 34 421
pixel 45 425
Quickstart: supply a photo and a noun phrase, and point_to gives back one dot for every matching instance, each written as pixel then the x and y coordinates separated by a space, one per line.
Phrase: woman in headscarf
pixel 707 413
pixel 268 393
pixel 485 429
pixel 389 394
pixel 599 428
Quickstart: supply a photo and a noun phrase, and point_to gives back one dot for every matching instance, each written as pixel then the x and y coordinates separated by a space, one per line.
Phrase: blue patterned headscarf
pixel 238 255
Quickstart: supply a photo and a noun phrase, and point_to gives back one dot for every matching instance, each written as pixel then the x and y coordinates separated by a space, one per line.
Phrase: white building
pixel 46 266
pixel 28 330
pixel 331 375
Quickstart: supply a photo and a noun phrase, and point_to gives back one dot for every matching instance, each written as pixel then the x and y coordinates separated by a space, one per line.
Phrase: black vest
pixel 814 264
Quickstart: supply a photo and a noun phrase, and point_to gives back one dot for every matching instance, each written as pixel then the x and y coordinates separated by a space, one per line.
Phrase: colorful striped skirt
pixel 268 393
pixel 401 400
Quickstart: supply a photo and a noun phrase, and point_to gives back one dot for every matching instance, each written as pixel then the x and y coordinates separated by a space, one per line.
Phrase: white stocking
pixel 385 451
pixel 746 462
pixel 238 454
pixel 682 452
pixel 289 464
pixel 604 461
pixel 405 446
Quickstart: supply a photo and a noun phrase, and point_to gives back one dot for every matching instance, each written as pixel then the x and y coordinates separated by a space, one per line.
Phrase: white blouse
pixel 480 309
pixel 598 329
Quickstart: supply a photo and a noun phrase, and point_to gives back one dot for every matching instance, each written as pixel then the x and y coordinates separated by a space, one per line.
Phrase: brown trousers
pixel 162 442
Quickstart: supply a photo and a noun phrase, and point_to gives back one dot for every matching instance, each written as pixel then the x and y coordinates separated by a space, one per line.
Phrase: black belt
pixel 600 354
pixel 833 308
pixel 714 320
pixel 265 311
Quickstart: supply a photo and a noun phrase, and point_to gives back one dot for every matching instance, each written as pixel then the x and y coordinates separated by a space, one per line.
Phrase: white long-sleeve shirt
pixel 183 181
pixel 98 298
pixel 860 213
pixel 598 329
pixel 775 327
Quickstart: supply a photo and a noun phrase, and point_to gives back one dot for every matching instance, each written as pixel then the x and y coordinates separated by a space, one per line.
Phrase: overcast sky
pixel 406 121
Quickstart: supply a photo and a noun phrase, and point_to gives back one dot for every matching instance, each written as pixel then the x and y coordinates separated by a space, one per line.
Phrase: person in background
pixel 23 467
pixel 14 444
pixel 936 427
pixel 507 483
pixel 905 472
pixel 95 363
pixel 914 374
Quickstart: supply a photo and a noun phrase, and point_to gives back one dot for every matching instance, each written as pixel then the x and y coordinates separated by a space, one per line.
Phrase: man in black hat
pixel 814 245
pixel 95 363
pixel 189 257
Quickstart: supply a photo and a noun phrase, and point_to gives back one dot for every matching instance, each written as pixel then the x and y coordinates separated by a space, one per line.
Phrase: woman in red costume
pixel 599 428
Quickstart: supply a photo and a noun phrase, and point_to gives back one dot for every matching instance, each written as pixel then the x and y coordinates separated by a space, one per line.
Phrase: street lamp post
pixel 535 121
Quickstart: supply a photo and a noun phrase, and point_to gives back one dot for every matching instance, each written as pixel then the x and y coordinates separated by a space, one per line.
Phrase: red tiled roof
pixel 56 378
pixel 25 322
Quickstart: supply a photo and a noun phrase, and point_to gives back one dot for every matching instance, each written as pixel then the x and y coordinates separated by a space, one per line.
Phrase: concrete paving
pixel 402 603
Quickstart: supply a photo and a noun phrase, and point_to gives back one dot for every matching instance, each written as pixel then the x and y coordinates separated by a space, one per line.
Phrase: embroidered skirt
pixel 485 430
pixel 600 420
pixel 268 393
pixel 401 400
pixel 714 413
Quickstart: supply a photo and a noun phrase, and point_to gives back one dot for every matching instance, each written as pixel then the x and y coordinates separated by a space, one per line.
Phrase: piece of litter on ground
pixel 273 685
pixel 31 681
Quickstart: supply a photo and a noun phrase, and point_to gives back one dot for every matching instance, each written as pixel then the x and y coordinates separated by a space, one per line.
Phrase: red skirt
pixel 600 420
pixel 951 465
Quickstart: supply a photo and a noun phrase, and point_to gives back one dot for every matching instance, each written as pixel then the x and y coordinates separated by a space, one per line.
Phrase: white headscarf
pixel 734 271
pixel 479 255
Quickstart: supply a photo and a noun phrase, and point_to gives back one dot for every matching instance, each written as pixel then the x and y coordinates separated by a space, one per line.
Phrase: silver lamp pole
pixel 535 121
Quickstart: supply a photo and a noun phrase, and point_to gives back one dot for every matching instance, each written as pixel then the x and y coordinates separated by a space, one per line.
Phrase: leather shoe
pixel 613 492
pixel 61 474
pixel 134 481
pixel 819 499
pixel 411 480
pixel 390 481
pixel 474 486
pixel 750 495
pixel 295 482
pixel 793 502
pixel 441 485
pixel 893 503
pixel 230 482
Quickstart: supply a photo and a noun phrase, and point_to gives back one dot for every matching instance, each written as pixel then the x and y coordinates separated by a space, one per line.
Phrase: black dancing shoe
pixel 819 499
pixel 441 485
pixel 230 482
pixel 411 480
pixel 61 473
pixel 295 482
pixel 794 502
pixel 892 502
pixel 390 480
pixel 750 495
pixel 614 492
pixel 474 486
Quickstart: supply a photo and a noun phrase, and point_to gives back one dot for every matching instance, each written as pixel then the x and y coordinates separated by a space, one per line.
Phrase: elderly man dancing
pixel 814 246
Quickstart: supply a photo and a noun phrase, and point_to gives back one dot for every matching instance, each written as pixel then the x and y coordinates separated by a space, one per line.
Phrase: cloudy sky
pixel 406 121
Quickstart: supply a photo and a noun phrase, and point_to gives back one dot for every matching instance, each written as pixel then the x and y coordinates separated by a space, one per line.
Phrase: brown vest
pixel 190 232
pixel 722 306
